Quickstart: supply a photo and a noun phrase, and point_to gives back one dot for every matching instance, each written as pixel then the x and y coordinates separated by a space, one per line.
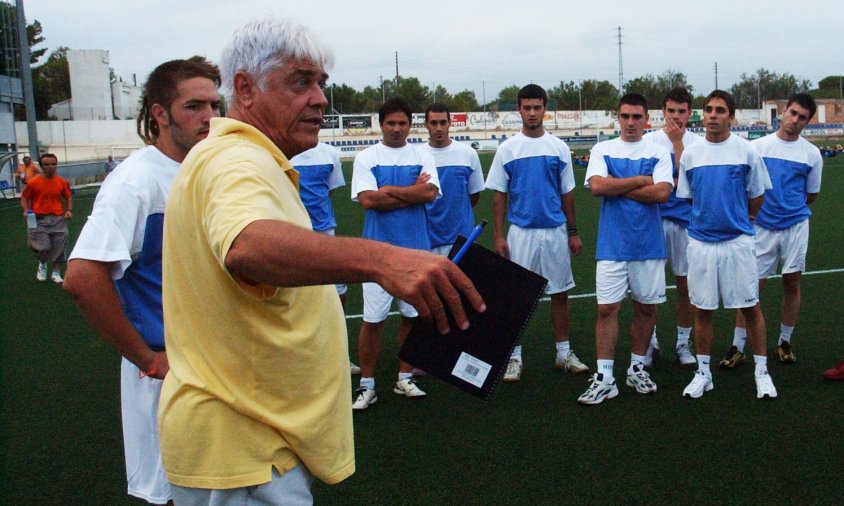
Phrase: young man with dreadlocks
pixel 114 271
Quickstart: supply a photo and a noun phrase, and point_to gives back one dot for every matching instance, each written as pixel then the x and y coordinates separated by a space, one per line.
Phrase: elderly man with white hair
pixel 257 402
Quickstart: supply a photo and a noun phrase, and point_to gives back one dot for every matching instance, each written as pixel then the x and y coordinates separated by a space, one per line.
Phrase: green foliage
pixel 829 87
pixel 654 89
pixel 414 92
pixel 51 82
pixel 753 89
pixel 507 99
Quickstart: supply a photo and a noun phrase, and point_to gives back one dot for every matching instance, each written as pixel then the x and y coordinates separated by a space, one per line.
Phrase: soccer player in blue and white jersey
pixel 320 173
pixel 114 271
pixel 393 181
pixel 535 168
pixel 782 225
pixel 461 182
pixel 676 108
pixel 633 177
pixel 726 180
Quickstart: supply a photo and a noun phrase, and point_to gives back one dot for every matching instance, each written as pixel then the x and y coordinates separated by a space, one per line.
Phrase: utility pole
pixel 716 75
pixel 620 66
pixel 383 96
pixel 397 72
pixel 26 78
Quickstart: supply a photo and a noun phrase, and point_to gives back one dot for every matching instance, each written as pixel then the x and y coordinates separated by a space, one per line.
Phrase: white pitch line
pixel 588 295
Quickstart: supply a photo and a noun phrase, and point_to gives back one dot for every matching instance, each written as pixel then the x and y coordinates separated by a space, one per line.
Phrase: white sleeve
pixel 476 178
pixel 567 174
pixel 684 191
pixel 429 166
pixel 664 170
pixel 597 165
pixel 336 178
pixel 112 232
pixel 758 179
pixel 813 180
pixel 362 177
pixel 497 178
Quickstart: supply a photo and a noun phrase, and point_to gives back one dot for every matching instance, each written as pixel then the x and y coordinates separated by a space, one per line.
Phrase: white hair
pixel 263 45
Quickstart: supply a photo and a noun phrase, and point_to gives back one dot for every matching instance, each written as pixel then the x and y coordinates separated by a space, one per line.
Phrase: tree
pixel 599 95
pixel 51 82
pixel 829 87
pixel 464 101
pixel 417 95
pixel 654 89
pixel 752 90
pixel 565 97
pixel 507 99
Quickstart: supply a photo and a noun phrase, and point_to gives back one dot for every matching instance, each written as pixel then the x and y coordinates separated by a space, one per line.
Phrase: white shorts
pixel 442 250
pixel 544 251
pixel 292 488
pixel 139 409
pixel 341 288
pixel 645 278
pixel 676 242
pixel 377 302
pixel 727 268
pixel 787 247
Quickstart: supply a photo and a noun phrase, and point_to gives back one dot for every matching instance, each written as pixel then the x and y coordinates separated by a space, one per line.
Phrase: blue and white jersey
pixel 535 172
pixel 460 174
pixel 720 178
pixel 795 169
pixel 380 165
pixel 126 227
pixel 676 209
pixel 629 230
pixel 319 172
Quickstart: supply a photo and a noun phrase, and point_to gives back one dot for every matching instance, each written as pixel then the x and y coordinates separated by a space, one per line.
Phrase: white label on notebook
pixel 471 370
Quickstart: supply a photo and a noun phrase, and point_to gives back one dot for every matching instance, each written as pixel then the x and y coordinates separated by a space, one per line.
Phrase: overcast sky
pixel 477 45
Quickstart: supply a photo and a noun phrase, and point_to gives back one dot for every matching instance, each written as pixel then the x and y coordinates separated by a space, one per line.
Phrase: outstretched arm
pixel 281 254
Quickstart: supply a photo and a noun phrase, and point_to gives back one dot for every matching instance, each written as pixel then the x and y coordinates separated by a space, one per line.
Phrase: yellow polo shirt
pixel 259 375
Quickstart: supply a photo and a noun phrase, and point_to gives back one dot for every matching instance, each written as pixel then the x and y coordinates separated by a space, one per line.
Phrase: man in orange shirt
pixel 44 195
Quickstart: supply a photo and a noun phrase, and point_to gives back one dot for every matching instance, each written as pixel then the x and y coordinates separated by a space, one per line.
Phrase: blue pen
pixel 472 237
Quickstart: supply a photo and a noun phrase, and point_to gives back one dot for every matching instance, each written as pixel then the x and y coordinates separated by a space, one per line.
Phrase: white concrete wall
pixel 90 87
pixel 127 98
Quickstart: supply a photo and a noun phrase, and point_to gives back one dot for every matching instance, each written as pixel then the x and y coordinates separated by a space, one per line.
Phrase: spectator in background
pixel 110 165
pixel 26 171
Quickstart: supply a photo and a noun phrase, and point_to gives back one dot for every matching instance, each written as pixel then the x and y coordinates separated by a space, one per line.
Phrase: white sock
pixel 739 338
pixel 563 349
pixel 636 359
pixel 683 334
pixel 703 365
pixel 761 362
pixel 605 368
pixel 405 375
pixel 785 333
pixel 653 336
pixel 517 353
pixel 367 383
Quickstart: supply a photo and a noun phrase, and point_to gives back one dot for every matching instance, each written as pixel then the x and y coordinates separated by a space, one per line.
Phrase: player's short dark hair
pixel 437 107
pixel 805 101
pixel 726 97
pixel 532 91
pixel 394 104
pixel 679 95
pixel 633 99
pixel 47 155
pixel 162 88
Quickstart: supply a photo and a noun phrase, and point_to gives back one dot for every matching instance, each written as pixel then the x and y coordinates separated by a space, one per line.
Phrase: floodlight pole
pixel 26 78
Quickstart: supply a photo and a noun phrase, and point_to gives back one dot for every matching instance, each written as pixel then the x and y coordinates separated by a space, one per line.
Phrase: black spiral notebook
pixel 475 359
